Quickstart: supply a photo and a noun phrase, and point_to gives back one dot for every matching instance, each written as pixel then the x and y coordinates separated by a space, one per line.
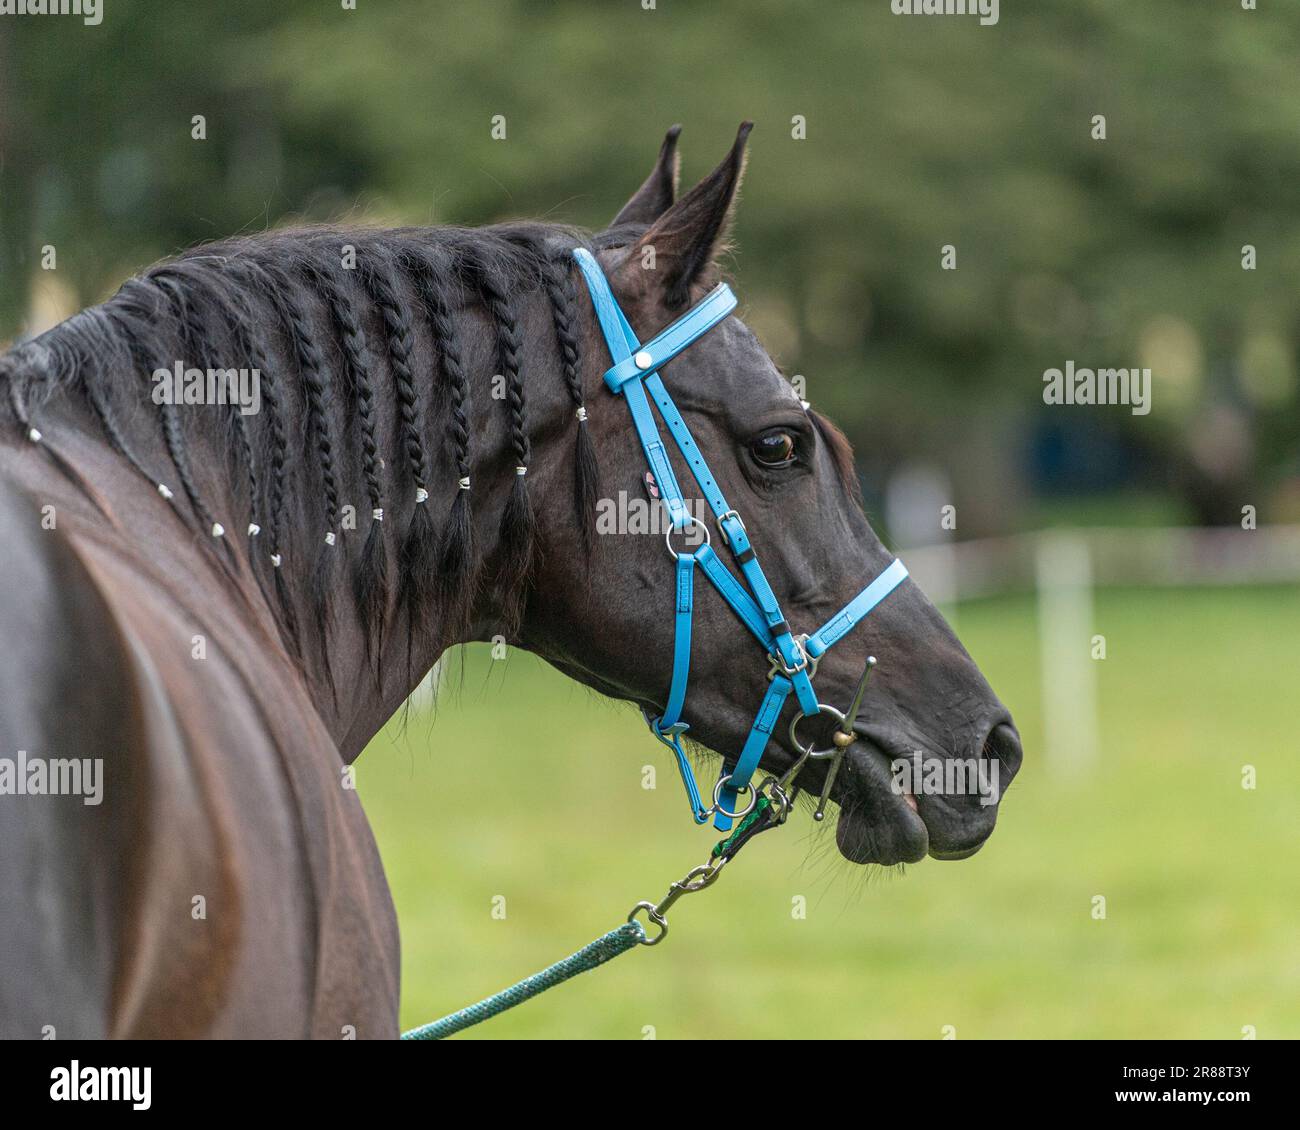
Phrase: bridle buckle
pixel 776 664
pixel 722 530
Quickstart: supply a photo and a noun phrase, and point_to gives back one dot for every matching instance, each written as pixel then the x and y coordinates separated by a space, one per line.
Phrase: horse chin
pixel 862 839
pixel 879 824
pixel 876 823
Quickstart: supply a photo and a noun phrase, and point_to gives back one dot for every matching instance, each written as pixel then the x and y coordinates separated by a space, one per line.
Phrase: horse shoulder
pixel 254 798
pixel 67 694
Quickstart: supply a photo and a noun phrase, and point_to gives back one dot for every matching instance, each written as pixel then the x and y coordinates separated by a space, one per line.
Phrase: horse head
pixel 928 718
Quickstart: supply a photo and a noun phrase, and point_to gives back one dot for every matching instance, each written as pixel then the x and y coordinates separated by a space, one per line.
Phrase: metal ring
pixel 808 750
pixel 694 521
pixel 651 916
pixel 717 805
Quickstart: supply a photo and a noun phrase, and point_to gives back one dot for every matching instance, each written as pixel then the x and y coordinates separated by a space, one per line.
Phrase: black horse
pixel 219 609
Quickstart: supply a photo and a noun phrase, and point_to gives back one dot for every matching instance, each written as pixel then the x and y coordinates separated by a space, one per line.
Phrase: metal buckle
pixel 776 664
pixel 723 530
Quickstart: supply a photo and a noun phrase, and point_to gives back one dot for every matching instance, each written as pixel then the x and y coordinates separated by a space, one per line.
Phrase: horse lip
pixel 906 836
pixel 912 834
pixel 881 741
pixel 962 853
pixel 875 739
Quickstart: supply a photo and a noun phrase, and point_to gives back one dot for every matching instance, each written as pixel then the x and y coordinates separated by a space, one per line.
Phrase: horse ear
pixel 655 197
pixel 687 237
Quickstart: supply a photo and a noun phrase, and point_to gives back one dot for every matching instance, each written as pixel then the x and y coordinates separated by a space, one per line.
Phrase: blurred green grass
pixel 528 787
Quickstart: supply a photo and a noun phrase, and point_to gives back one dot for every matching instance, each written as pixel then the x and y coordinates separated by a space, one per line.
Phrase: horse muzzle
pixel 899 803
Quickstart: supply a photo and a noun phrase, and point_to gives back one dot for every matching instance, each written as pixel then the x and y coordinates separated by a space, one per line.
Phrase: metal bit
pixel 843 738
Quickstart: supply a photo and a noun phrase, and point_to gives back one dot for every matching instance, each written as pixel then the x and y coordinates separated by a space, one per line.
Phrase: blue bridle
pixel 635 374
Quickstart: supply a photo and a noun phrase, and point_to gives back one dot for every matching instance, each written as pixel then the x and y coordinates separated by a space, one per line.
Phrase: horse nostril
pixel 1003 743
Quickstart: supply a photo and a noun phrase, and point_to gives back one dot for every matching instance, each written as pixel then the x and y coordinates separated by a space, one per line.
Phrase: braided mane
pixel 332 320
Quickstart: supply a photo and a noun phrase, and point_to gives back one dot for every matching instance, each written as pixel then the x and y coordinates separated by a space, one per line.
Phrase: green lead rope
pixel 603 949
pixel 744 830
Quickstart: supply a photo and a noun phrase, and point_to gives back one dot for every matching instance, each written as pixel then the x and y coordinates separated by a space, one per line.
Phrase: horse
pixel 215 609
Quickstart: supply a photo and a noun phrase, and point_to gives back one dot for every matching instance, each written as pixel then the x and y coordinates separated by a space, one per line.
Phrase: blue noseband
pixel 636 375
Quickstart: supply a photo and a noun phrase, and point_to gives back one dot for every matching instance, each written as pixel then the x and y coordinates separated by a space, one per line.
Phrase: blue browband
pixel 635 374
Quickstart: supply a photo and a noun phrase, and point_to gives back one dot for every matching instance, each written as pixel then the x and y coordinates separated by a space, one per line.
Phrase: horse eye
pixel 773 449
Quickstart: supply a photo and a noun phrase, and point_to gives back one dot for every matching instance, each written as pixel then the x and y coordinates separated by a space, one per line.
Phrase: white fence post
pixel 915 497
pixel 1065 628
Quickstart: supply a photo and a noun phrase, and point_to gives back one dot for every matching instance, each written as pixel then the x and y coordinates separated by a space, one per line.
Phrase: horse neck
pixel 353 691
pixel 429 612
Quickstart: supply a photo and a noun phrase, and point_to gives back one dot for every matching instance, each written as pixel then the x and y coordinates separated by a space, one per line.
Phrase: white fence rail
pixel 1063 566
pixel 1117 556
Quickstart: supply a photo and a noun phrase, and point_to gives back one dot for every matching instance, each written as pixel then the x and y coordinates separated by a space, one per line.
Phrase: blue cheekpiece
pixel 635 374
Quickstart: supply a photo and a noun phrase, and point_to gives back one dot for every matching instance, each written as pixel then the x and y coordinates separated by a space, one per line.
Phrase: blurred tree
pixel 920 133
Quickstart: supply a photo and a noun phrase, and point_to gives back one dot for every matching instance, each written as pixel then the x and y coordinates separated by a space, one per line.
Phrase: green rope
pixel 722 847
pixel 603 949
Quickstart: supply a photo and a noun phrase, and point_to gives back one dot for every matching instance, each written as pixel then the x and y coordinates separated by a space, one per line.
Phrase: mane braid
pixel 132 294
pixel 370 581
pixel 419 553
pixel 246 337
pixel 560 289
pixel 457 580
pixel 97 397
pixel 249 335
pixel 9 374
pixel 518 523
pixel 117 438
pixel 254 345
pixel 284 304
pixel 250 465
pixel 30 433
pixel 316 394
pixel 197 342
